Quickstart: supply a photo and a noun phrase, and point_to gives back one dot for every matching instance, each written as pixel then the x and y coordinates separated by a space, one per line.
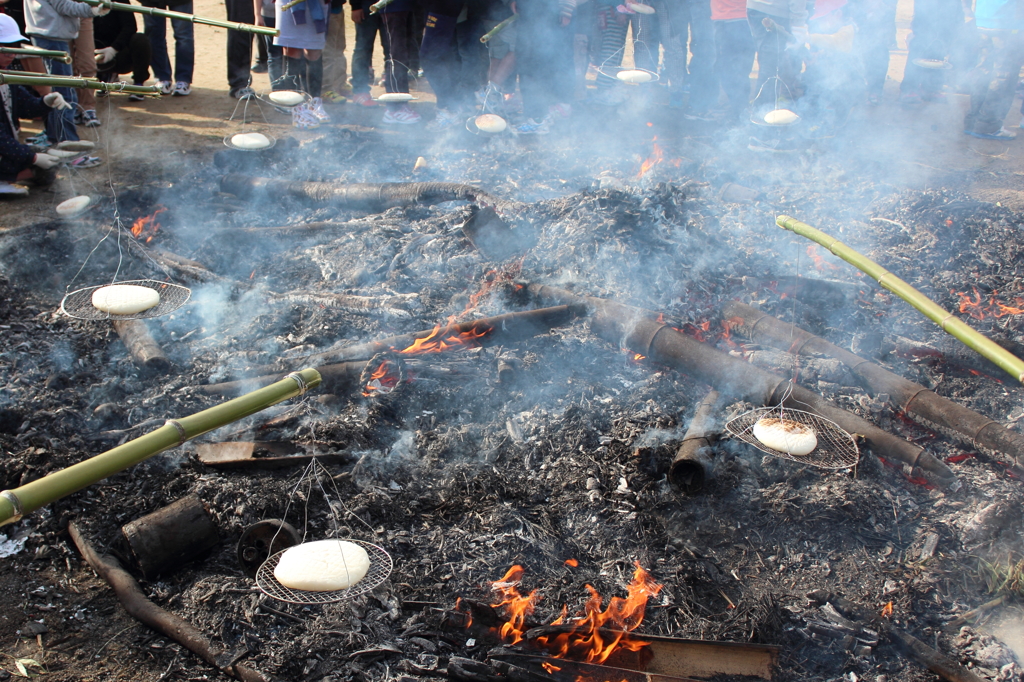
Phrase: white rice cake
pixel 634 76
pixel 395 97
pixel 125 299
pixel 490 123
pixel 785 435
pixel 322 566
pixel 781 117
pixel 287 98
pixel 74 206
pixel 250 141
pixel 77 145
pixel 640 8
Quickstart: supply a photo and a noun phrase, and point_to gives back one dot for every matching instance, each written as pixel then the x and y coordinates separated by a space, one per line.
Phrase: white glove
pixel 100 11
pixel 105 55
pixel 45 161
pixel 800 35
pixel 55 100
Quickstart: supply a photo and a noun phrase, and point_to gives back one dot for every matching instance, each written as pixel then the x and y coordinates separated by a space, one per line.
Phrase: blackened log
pixel 171 536
pixel 639 331
pixel 145 351
pixel 370 197
pixel 142 609
pixel 965 424
pixel 336 378
pixel 691 466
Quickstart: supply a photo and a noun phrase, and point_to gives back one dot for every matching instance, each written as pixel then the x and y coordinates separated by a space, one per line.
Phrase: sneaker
pixel 78 117
pixel 136 97
pixel 623 9
pixel 316 107
pixel 242 93
pixel 534 127
pixel 363 99
pixel 332 97
pixel 403 115
pixel 560 110
pixel 260 67
pixel 86 162
pixel 303 117
pixel 1001 134
pixel 166 87
pixel 89 118
pixel 183 89
pixel 443 120
pixel 39 143
pixel 8 189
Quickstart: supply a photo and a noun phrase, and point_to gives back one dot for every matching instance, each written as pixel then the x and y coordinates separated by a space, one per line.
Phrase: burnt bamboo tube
pixel 638 330
pixel 948 322
pixel 335 378
pixel 963 423
pixel 143 610
pixel 145 351
pixel 14 504
pixel 371 197
pixel 691 467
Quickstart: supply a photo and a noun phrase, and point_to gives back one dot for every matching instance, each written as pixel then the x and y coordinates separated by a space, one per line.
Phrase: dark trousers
pixel 935 29
pixel 544 57
pixel 395 40
pixel 60 123
pixel 362 53
pixel 772 61
pixel 239 43
pixel 703 85
pixel 734 59
pixel 439 53
pixel 994 80
pixel 876 35
pixel 184 42
pixel 133 59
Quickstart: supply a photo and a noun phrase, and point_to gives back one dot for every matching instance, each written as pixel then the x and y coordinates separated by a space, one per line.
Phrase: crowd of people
pixel 815 59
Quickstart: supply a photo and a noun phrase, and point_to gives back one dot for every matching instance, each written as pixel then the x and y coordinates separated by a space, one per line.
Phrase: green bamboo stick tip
pixel 23 500
pixel 946 320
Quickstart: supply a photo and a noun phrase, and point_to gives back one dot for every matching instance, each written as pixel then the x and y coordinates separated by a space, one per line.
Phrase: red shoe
pixel 363 99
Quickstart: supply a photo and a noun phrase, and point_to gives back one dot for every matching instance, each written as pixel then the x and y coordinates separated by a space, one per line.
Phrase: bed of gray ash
pixel 460 476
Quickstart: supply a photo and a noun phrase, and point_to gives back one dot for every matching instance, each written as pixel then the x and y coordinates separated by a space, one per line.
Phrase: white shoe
pixel 316 107
pixel 403 115
pixel 166 87
pixel 8 189
pixel 443 120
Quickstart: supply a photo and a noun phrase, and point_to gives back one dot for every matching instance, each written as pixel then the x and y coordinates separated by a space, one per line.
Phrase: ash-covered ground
pixel 459 475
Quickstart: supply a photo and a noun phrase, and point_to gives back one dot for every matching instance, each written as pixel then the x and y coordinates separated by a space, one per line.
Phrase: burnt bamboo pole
pixel 335 378
pixel 371 197
pixel 145 351
pixel 956 420
pixel 948 322
pixel 691 466
pixel 134 601
pixel 638 330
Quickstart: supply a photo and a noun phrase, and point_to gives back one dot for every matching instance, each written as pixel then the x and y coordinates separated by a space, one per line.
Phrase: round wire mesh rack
pixel 231 145
pixel 836 448
pixel 614 71
pixel 380 569
pixel 78 304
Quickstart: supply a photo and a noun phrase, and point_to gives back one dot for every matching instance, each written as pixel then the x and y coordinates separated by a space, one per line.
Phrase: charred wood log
pixel 168 624
pixel 965 424
pixel 335 378
pixel 934 660
pixel 370 197
pixel 691 466
pixel 145 351
pixel 638 330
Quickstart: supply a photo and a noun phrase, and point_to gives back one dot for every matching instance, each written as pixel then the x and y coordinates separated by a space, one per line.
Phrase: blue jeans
pixel 60 124
pixel 184 45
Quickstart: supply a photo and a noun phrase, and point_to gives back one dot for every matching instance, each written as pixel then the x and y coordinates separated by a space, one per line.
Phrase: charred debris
pixel 524 374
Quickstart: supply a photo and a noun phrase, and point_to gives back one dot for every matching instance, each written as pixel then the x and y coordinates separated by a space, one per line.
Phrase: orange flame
pixel 819 260
pixel 383 380
pixel 887 610
pixel 656 157
pixel 443 339
pixel 727 327
pixel 572 563
pixel 550 667
pixel 596 634
pixel 977 309
pixel 145 227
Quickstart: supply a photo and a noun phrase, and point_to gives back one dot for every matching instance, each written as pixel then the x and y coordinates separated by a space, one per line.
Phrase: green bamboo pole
pixel 949 323
pixel 14 504
pixel 378 6
pixel 21 78
pixel 167 14
pixel 36 52
pixel 485 38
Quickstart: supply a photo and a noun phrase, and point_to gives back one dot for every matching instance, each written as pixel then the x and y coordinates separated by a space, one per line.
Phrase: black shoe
pixel 259 67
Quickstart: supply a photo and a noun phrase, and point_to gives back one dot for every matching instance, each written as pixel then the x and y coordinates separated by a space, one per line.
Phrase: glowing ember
pixel 978 309
pixel 572 563
pixel 145 227
pixel 593 636
pixel 656 157
pixel 444 339
pixel 384 379
pixel 727 327
pixel 819 260
pixel 887 610
pixel 550 667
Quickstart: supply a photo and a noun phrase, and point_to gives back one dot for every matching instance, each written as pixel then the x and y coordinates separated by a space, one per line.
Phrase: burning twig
pixel 1011 364
pixel 970 427
pixel 145 352
pixel 168 624
pixel 640 331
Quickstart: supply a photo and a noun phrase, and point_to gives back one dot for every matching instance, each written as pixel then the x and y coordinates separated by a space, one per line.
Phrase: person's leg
pixel 60 123
pixel 135 59
pixel 262 55
pixel 156 32
pixel 671 34
pixel 395 38
pixel 646 40
pixel 83 49
pixel 362 54
pixel 703 86
pixel 734 49
pixel 472 73
pixel 275 56
pixel 314 72
pixel 438 51
pixel 239 44
pixel 771 60
pixel 294 70
pixel 1003 75
pixel 184 45
pixel 612 26
pixel 334 63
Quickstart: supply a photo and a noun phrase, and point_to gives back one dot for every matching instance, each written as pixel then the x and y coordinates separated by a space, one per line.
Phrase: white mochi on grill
pixel 322 566
pixel 781 117
pixel 73 207
pixel 490 123
pixel 250 141
pixel 785 435
pixel 287 98
pixel 124 299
